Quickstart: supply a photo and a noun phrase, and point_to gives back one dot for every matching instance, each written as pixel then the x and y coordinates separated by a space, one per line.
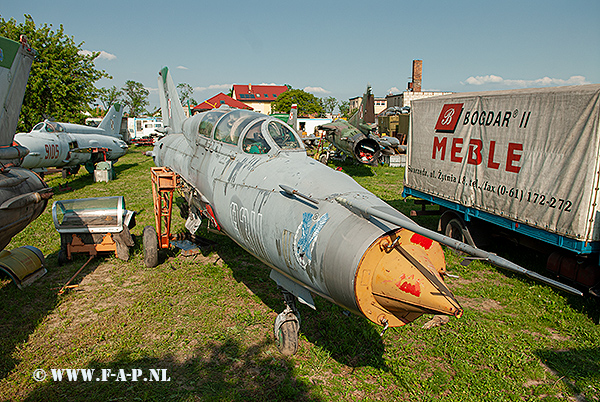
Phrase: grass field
pixel 206 324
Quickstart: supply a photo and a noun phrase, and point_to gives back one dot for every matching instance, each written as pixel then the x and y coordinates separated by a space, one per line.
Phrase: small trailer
pixel 93 225
pixel 522 162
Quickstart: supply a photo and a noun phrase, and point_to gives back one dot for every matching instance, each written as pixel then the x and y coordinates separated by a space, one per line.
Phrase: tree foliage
pixel 61 82
pixel 135 97
pixel 308 104
pixel 345 109
pixel 109 96
pixel 329 104
pixel 185 94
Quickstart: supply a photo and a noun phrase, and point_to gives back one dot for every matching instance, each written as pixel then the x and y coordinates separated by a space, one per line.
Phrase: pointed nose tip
pixel 399 280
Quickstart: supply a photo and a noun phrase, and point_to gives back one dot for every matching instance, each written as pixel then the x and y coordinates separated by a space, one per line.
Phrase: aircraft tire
pixel 287 338
pixel 150 247
pixel 324 158
pixel 74 170
pixel 70 171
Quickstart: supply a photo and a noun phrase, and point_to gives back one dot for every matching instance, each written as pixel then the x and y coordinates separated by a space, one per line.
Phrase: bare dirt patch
pixel 481 304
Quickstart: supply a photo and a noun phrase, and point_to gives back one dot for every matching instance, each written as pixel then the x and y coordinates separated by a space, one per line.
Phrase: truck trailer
pixel 522 163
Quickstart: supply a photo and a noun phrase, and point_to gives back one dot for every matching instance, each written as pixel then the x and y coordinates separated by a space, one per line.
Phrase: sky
pixel 332 48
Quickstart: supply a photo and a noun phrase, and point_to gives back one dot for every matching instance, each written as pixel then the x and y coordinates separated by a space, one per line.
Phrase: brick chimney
pixel 417 75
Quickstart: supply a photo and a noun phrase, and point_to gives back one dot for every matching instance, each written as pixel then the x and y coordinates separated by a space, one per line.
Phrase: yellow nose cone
pixel 400 278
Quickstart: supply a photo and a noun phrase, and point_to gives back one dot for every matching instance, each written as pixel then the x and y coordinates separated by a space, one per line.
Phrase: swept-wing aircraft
pixel 249 175
pixel 23 194
pixel 355 138
pixel 69 146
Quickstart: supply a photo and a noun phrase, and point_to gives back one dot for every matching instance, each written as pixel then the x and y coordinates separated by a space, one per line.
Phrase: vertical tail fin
pixel 111 123
pixel 15 65
pixel 172 111
pixel 365 115
pixel 293 118
pixel 369 107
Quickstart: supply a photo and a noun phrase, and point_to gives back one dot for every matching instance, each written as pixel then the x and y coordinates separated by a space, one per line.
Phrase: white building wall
pixel 405 98
pixel 380 105
pixel 311 124
pixel 260 107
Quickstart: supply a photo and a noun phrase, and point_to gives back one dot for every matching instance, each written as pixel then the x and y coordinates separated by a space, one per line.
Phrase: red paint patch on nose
pixel 414 290
pixel 422 241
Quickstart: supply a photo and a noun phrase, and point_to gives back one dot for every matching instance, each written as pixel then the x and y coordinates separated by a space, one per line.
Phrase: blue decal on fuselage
pixel 309 233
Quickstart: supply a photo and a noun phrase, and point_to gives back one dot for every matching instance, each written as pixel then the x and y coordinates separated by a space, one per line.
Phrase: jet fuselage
pixel 53 144
pixel 249 173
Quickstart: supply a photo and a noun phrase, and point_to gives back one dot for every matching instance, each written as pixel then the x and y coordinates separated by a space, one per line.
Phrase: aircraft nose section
pixel 399 279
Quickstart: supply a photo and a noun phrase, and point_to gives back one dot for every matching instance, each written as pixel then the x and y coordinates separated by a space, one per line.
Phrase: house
pixel 217 101
pixel 258 97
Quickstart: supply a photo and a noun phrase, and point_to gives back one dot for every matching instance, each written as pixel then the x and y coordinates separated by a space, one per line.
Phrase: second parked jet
pixel 69 146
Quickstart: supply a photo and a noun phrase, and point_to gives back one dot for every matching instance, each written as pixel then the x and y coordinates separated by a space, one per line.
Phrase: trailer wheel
pixel 455 229
pixel 62 257
pixel 150 247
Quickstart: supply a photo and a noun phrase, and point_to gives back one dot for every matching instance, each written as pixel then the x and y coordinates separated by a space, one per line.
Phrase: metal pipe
pixel 457 245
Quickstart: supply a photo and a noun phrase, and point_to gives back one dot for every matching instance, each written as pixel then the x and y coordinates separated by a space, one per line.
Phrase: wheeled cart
pixel 93 225
pixel 164 183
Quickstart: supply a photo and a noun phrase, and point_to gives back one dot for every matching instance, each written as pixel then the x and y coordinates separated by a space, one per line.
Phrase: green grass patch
pixel 207 323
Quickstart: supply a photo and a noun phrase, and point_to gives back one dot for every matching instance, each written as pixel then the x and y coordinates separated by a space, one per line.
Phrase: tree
pixel 62 77
pixel 109 96
pixel 185 94
pixel 345 109
pixel 135 97
pixel 329 104
pixel 308 104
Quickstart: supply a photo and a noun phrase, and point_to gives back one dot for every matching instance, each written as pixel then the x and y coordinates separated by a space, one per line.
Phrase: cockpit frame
pixel 48 127
pixel 250 132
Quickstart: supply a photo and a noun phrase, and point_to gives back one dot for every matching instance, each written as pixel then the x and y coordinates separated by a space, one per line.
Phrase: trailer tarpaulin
pixel 528 155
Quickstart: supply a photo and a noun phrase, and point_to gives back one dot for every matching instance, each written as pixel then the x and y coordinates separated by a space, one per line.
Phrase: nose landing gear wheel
pixel 286 333
pixel 287 326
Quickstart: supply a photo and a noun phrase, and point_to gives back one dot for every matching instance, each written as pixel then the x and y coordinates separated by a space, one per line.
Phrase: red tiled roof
pixel 218 100
pixel 258 93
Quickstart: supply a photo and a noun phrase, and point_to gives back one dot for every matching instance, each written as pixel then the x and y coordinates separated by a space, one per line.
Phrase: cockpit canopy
pixel 49 127
pixel 255 133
